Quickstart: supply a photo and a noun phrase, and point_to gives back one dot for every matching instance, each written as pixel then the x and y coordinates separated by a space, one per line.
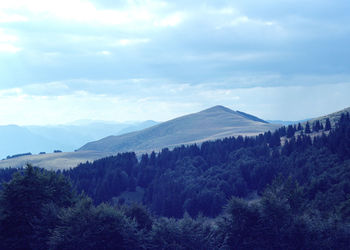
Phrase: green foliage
pixel 239 227
pixel 140 214
pixel 181 234
pixel 85 226
pixel 276 221
pixel 25 203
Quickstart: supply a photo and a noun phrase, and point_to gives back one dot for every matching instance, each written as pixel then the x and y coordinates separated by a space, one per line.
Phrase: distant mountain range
pixel 22 139
pixel 210 124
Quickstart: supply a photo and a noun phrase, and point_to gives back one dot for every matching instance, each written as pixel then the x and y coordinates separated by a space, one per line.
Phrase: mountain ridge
pixel 209 124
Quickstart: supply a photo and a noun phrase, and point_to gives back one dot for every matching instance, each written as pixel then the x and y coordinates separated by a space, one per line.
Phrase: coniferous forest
pixel 287 189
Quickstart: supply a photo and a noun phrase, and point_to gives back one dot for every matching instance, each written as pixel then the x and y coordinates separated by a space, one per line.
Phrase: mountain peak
pixel 218 108
pixel 210 124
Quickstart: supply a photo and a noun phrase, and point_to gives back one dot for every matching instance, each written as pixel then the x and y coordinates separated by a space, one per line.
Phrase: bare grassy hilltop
pixel 210 124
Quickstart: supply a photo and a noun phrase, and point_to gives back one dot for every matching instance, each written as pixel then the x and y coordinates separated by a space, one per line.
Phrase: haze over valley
pixel 67 138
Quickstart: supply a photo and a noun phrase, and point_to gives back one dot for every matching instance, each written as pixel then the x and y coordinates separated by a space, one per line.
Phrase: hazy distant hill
pixel 213 123
pixel 16 139
pixel 286 123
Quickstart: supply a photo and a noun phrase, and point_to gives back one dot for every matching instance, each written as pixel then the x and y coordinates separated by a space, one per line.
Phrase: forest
pixel 287 189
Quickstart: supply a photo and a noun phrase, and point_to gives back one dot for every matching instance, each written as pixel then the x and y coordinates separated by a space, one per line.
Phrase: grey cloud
pixel 284 38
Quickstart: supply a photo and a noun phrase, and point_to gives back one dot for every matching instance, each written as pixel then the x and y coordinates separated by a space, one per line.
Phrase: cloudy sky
pixel 122 60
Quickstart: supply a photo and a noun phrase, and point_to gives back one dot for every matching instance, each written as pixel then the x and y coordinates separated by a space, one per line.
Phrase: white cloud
pixel 136 13
pixel 11 92
pixel 7 37
pixel 47 89
pixel 6 42
pixel 171 20
pixel 231 57
pixel 224 11
pixel 241 20
pixel 127 42
pixel 104 52
pixel 10 18
pixel 138 99
pixel 5 47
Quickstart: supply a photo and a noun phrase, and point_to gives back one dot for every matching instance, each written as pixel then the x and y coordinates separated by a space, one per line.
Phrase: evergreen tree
pixel 27 203
pixel 290 131
pixel 307 128
pixel 316 126
pixel 299 127
pixel 85 226
pixel 282 131
pixel 328 125
pixel 239 228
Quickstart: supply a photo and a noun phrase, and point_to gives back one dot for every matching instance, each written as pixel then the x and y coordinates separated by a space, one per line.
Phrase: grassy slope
pixel 214 123
pixel 333 117
pixel 54 161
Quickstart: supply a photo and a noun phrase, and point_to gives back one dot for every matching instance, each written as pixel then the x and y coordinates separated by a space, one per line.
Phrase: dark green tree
pixel 299 128
pixel 140 214
pixel 307 128
pixel 328 125
pixel 185 233
pixel 290 131
pixel 239 227
pixel 27 203
pixel 85 226
pixel 316 126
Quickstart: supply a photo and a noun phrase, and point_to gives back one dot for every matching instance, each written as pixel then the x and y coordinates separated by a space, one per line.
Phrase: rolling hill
pixel 210 124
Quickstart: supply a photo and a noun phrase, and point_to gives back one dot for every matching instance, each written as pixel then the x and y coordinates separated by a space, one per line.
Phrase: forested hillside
pixel 201 179
pixel 289 189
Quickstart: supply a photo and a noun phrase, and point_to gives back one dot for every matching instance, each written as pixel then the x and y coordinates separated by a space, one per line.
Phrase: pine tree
pixel 328 125
pixel 307 128
pixel 316 126
pixel 299 127
pixel 290 131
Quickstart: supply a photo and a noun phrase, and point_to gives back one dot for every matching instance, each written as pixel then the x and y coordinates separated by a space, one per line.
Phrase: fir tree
pixel 307 128
pixel 299 127
pixel 328 125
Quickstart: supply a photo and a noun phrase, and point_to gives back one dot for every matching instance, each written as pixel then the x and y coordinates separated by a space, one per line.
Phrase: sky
pixel 129 60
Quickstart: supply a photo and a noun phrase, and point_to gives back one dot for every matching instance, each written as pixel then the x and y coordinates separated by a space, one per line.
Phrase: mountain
pixel 15 140
pixel 68 137
pixel 210 124
pixel 73 136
